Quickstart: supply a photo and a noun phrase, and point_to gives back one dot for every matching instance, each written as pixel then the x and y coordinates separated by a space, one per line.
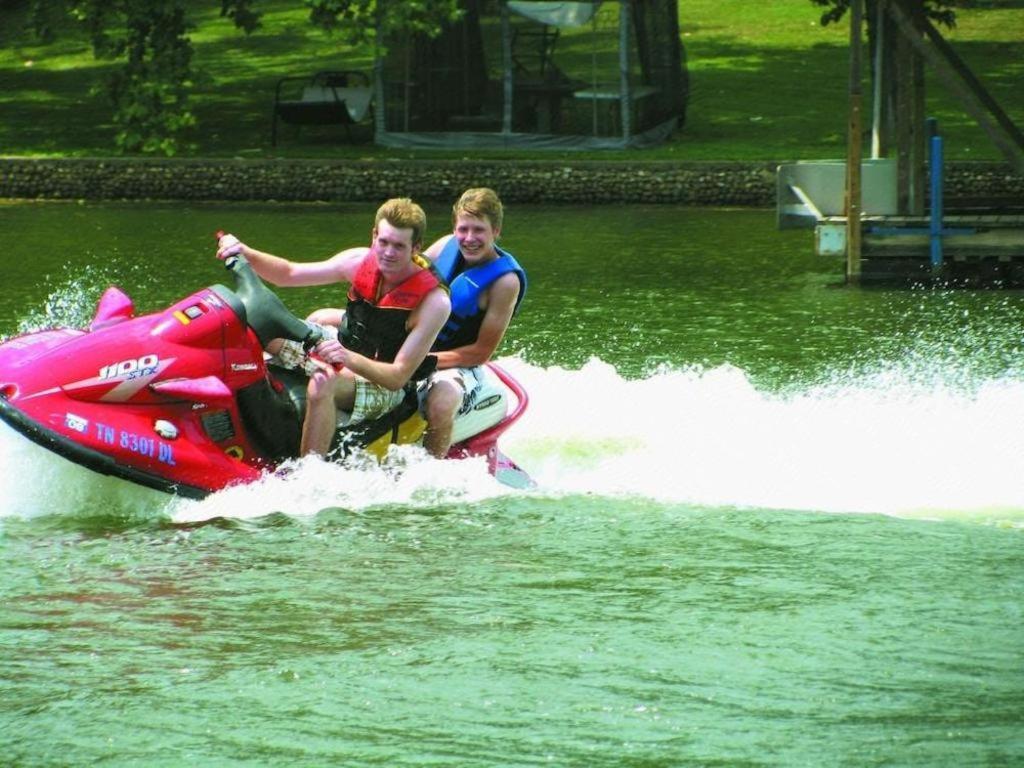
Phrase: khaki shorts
pixel 373 400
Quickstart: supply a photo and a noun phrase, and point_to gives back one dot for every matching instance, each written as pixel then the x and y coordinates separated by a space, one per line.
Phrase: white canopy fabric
pixel 568 14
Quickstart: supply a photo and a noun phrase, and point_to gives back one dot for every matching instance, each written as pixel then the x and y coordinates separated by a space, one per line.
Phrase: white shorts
pixel 485 400
pixel 467 380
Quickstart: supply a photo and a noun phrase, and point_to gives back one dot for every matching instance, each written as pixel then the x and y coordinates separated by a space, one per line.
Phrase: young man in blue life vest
pixel 487 285
pixel 397 305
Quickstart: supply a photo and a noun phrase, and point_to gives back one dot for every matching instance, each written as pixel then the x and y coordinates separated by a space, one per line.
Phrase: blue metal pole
pixel 935 164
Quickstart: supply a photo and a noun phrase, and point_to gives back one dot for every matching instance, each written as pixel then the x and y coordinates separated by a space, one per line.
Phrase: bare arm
pixel 340 267
pixel 436 247
pixel 501 303
pixel 430 318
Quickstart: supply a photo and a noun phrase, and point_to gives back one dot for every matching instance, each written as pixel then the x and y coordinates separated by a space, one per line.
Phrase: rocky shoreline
pixel 967 184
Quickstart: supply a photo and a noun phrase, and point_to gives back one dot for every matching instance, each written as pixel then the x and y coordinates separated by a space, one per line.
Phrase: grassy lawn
pixel 767 83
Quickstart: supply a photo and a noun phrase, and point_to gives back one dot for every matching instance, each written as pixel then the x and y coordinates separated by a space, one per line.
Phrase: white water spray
pixel 882 443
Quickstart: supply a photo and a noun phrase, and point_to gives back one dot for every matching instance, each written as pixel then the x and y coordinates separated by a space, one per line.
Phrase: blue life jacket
pixel 466 285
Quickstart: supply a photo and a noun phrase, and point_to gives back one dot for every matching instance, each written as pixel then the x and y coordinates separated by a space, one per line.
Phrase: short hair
pixel 480 203
pixel 403 213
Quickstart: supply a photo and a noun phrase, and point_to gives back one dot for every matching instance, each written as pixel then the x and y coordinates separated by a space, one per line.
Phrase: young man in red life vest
pixel 397 305
pixel 487 285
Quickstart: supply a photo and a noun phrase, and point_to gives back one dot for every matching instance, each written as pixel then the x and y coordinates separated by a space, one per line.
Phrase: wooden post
pixel 506 63
pixel 920 135
pixel 853 148
pixel 903 119
pixel 625 98
pixel 380 124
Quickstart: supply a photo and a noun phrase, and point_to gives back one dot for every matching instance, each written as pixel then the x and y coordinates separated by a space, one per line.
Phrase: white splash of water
pixel 72 302
pixel 35 481
pixel 408 477
pixel 881 443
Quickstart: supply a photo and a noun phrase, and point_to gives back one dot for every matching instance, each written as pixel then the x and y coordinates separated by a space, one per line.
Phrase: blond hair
pixel 403 213
pixel 480 203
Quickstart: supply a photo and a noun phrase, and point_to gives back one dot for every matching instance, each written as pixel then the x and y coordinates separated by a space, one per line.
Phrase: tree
pixel 360 20
pixel 939 11
pixel 150 92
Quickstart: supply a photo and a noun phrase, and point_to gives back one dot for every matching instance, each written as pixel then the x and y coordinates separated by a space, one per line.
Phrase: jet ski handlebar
pixel 265 313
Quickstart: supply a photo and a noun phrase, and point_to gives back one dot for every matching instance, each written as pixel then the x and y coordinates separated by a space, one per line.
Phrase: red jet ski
pixel 184 401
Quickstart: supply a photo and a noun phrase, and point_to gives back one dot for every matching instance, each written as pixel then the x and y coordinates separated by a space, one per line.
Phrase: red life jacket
pixel 406 295
pixel 376 327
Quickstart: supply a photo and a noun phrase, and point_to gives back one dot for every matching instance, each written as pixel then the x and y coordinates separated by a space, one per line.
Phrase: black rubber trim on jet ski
pixel 88 458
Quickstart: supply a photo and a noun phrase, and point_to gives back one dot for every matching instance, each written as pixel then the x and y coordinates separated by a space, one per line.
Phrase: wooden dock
pixel 973 250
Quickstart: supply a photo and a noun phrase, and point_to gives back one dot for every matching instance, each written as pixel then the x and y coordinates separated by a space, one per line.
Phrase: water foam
pixel 72 302
pixel 883 443
pixel 408 478
pixel 37 482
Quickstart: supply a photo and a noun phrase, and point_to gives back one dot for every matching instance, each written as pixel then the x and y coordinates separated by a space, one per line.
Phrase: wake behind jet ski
pixel 184 401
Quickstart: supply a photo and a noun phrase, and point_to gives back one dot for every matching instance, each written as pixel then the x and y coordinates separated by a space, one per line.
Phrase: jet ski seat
pixel 272 415
pixel 273 410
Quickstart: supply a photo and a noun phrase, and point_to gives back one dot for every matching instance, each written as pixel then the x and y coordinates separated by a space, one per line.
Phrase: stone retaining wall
pixel 740 184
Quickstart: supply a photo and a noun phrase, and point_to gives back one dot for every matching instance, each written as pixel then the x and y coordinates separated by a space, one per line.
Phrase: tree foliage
pixel 939 11
pixel 150 91
pixel 360 20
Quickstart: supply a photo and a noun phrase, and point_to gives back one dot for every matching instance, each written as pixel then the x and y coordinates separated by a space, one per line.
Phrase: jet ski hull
pixel 182 400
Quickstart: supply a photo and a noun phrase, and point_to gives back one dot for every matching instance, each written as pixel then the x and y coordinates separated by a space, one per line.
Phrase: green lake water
pixel 778 522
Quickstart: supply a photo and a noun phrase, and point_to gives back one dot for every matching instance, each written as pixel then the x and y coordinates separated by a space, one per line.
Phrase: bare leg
pixel 327 392
pixel 443 400
pixel 327 316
